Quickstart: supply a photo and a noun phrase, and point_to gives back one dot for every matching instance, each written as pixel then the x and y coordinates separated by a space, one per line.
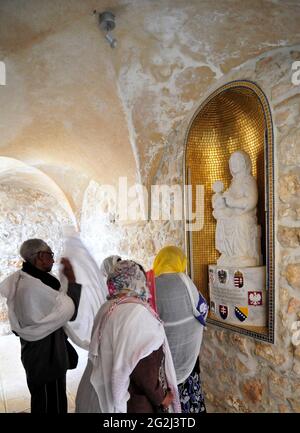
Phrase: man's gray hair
pixel 31 247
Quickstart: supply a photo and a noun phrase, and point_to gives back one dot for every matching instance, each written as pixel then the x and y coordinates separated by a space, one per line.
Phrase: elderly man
pixel 38 309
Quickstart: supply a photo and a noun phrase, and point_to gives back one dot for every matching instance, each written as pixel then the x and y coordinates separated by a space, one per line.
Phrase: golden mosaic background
pixel 232 119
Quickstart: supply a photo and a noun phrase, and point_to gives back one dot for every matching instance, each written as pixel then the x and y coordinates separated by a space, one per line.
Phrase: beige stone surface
pixel 292 273
pixel 269 353
pixel 283 295
pixel 278 385
pixel 295 404
pixel 293 306
pixel 236 405
pixel 289 236
pixel 241 367
pixel 240 342
pixel 297 355
pixel 253 389
pixel 290 145
pixel 289 187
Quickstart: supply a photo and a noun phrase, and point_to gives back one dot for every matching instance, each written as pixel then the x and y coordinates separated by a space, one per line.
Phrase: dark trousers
pixel 49 397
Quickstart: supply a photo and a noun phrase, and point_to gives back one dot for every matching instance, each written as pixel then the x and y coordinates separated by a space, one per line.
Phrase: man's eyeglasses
pixel 48 252
pixel 44 252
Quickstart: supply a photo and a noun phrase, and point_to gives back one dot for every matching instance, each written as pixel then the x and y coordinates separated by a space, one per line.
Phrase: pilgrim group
pixel 142 330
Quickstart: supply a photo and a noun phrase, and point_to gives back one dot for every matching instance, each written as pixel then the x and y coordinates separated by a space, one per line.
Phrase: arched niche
pixel 235 116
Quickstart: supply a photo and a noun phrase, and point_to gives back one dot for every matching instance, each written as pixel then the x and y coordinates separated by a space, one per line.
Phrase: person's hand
pixel 68 270
pixel 167 400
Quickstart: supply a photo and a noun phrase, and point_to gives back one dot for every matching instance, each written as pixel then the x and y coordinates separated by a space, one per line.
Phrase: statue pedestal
pixel 238 294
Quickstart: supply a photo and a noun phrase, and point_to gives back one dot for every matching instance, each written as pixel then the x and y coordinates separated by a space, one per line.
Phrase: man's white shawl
pixel 119 341
pixel 35 310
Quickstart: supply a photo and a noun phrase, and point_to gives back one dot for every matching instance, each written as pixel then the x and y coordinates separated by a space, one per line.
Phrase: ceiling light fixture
pixel 107 23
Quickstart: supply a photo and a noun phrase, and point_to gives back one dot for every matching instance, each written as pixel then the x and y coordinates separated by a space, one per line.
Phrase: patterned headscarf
pixel 169 259
pixel 128 279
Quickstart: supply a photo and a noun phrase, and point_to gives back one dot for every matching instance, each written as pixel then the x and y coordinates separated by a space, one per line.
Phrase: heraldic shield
pixel 222 276
pixel 223 310
pixel 238 279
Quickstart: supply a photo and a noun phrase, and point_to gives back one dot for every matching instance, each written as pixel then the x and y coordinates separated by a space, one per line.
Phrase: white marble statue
pixel 237 232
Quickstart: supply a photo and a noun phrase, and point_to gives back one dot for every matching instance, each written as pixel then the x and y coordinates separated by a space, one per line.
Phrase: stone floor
pixel 14 394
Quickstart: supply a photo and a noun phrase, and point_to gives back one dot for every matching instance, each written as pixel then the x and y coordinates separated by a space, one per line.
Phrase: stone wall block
pixel 280 90
pixel 236 404
pixel 295 387
pixel 241 367
pixel 239 342
pixel 289 187
pixel 278 384
pixel 289 237
pixel 289 148
pixel 283 296
pixel 295 403
pixel 293 305
pixel 292 274
pixel 253 390
pixel 296 367
pixel 283 408
pixel 269 354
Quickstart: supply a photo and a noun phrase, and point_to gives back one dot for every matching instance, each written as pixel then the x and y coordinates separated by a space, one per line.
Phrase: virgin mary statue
pixel 237 232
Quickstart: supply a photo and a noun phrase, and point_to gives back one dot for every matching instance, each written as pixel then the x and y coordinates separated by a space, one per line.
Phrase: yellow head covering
pixel 169 259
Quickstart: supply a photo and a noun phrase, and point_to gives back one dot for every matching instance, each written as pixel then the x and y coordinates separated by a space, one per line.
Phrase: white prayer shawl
pixel 184 331
pixel 93 292
pixel 35 310
pixel 119 341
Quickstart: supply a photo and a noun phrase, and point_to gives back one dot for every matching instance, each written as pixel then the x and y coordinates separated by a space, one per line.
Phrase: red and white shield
pixel 255 298
pixel 223 310
pixel 238 279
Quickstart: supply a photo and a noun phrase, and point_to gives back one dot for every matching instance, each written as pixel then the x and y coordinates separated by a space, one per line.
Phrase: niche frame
pixel 266 333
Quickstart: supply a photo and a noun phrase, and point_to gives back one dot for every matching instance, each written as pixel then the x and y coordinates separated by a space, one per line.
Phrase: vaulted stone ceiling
pixel 79 110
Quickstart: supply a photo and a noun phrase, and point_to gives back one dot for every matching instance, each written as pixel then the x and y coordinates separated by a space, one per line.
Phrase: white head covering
pixel 93 293
pixel 108 265
pixel 106 268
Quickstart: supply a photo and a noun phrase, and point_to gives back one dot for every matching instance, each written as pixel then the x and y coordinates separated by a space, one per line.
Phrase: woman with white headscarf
pixel 93 281
pixel 183 311
pixel 130 368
